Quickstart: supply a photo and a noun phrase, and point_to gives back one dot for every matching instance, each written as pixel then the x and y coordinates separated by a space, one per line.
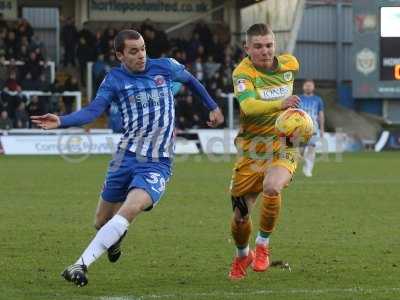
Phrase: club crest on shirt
pixel 241 85
pixel 288 76
pixel 159 80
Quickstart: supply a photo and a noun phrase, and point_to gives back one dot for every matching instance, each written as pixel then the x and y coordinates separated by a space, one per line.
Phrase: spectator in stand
pixel 69 38
pixel 21 119
pixel 190 114
pixel 193 47
pixel 34 109
pixel 23 41
pixel 98 43
pixel 23 54
pixel 210 67
pixel 108 35
pixel 33 66
pixel 146 25
pixel 11 45
pixel 112 61
pixel 12 96
pixel 3 36
pixel 204 33
pixel 109 49
pixel 5 121
pixel 3 71
pixel 36 44
pixel 87 35
pixel 70 85
pixel 24 29
pixel 85 54
pixel 29 83
pixel 44 85
pixel 198 69
pixel 149 39
pixel 215 49
pixel 99 70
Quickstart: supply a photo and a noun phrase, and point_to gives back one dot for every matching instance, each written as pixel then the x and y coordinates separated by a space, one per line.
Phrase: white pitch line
pixel 354 290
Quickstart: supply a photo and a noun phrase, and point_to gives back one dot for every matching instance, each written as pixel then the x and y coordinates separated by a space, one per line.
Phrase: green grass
pixel 339 231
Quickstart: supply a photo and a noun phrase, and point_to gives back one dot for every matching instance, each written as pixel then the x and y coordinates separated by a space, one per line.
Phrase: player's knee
pixel 272 188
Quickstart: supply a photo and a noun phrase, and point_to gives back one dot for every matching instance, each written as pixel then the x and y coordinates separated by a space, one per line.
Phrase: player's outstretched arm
pixel 78 118
pixel 81 117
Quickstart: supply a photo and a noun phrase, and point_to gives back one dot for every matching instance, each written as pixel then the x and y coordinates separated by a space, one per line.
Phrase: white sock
pixel 107 236
pixel 309 158
pixel 262 240
pixel 241 252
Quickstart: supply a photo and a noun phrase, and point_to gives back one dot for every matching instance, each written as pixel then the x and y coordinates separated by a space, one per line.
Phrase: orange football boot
pixel 239 266
pixel 261 260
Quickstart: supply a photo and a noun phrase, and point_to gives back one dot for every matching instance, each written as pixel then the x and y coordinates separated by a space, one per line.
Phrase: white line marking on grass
pixel 354 290
pixel 349 181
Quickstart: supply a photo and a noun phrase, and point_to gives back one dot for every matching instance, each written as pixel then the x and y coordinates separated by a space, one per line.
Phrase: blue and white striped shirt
pixel 146 104
pixel 313 105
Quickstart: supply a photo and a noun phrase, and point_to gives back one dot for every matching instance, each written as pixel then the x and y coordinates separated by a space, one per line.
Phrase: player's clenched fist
pixel 290 102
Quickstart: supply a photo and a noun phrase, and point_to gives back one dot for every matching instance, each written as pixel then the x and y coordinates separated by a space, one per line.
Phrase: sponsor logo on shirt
pixel 275 93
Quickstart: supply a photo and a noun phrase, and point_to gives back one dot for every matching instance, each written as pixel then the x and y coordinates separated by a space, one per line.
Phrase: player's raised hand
pixel 216 118
pixel 47 121
pixel 291 102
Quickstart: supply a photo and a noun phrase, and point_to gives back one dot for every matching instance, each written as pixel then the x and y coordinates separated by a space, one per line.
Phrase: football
pixel 295 125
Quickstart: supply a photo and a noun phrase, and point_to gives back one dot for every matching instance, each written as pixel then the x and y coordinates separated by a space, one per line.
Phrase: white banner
pixel 74 144
pixel 165 11
pixel 217 141
pixel 9 9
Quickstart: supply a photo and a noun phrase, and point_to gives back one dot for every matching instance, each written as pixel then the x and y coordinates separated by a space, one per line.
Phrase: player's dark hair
pixel 309 80
pixel 122 36
pixel 259 29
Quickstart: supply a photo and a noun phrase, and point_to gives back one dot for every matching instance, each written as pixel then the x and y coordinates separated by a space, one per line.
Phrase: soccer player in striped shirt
pixel 142 89
pixel 314 106
pixel 263 84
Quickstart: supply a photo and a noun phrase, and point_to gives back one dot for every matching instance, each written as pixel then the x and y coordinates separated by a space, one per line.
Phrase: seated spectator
pixel 5 121
pixel 21 119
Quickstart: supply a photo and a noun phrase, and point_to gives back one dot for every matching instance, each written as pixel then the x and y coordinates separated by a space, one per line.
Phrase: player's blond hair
pixel 258 29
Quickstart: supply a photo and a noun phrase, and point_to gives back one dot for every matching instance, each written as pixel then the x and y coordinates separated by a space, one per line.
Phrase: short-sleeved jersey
pixel 313 105
pixel 250 82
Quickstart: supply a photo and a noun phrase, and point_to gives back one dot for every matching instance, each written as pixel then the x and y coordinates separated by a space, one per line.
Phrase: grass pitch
pixel 339 231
